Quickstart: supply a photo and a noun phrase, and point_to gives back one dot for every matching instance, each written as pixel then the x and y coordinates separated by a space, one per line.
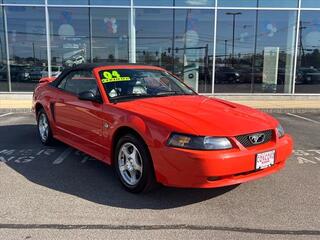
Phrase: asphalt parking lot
pixel 57 192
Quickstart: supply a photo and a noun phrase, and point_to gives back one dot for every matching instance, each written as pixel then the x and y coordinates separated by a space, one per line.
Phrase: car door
pixel 79 122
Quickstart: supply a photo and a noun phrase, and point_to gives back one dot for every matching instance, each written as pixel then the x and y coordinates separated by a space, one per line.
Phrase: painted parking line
pixel 311 156
pixel 6 114
pixel 304 118
pixel 62 156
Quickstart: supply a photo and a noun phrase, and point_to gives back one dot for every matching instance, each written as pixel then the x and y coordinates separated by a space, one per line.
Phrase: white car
pixel 75 61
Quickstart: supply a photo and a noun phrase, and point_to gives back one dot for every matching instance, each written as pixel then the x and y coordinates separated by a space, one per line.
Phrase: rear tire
pixel 133 164
pixel 44 129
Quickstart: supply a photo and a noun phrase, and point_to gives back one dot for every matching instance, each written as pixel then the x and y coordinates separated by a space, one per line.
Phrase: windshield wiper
pixel 132 96
pixel 165 93
pixel 129 96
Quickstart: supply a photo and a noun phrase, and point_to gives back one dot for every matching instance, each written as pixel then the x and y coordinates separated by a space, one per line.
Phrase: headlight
pixel 199 143
pixel 280 131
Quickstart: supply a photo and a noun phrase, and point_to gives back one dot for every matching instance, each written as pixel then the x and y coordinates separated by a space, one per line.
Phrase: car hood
pixel 202 115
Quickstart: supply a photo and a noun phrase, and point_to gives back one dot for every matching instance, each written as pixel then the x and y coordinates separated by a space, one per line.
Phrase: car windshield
pixel 128 84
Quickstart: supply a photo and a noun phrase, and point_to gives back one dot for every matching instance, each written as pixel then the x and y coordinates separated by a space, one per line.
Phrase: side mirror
pixel 89 96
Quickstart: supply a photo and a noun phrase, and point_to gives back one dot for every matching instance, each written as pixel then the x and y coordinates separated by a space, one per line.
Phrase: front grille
pixel 245 141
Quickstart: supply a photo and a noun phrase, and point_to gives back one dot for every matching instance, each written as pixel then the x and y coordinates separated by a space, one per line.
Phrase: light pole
pixel 225 52
pixel 233 14
pixel 302 58
pixel 173 35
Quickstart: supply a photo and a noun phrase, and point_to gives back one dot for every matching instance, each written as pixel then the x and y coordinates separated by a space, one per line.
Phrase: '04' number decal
pixel 113 76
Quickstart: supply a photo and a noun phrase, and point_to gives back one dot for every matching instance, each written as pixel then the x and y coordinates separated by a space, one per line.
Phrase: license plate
pixel 266 159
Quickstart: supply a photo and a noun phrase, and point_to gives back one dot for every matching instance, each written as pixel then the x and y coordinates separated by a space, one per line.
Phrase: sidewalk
pixel 269 103
pixel 23 102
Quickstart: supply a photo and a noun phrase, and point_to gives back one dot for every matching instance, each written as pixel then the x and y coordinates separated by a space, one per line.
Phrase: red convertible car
pixel 153 128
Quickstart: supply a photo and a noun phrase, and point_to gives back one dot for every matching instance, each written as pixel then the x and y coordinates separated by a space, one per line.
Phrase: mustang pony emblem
pixel 257 138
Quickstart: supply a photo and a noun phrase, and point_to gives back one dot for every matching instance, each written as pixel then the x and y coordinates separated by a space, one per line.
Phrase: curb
pixel 15 110
pixel 267 110
pixel 290 110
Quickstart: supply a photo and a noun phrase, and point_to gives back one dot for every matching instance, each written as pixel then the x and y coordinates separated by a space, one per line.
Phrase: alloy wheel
pixel 130 164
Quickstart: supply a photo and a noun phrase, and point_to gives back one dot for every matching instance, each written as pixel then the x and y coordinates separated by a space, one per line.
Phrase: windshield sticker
pixel 113 76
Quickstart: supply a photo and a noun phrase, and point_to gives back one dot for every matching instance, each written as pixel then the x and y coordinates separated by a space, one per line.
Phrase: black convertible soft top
pixel 89 66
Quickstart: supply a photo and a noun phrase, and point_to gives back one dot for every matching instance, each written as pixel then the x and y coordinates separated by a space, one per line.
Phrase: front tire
pixel 44 129
pixel 133 164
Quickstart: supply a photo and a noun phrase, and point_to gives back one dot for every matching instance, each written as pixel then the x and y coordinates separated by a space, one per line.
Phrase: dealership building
pixel 259 47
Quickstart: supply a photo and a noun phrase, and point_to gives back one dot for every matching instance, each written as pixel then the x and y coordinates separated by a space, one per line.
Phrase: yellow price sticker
pixel 113 76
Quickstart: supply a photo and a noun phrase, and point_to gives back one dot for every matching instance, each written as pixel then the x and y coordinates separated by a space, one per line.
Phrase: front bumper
pixel 208 169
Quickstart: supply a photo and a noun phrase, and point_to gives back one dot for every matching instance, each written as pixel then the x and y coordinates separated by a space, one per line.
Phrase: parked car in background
pixel 227 75
pixel 55 71
pixel 36 73
pixel 74 61
pixel 3 73
pixel 246 74
pixel 308 76
pixel 19 73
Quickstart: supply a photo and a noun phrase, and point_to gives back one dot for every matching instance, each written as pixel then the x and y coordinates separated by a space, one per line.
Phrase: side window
pixel 80 81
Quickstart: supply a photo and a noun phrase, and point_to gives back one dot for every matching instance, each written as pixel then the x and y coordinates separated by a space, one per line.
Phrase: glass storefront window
pixel 24 1
pixel 255 49
pixel 250 61
pixel 189 3
pixel 27 46
pixel 68 2
pixel 70 41
pixel 194 48
pixel 110 38
pixel 182 43
pixel 154 37
pixel 4 84
pixel 90 2
pixel 310 4
pixel 308 67
pixel 110 2
pixel 258 3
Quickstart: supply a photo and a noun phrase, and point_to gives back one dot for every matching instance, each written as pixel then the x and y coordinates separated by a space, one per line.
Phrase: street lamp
pixel 225 52
pixel 233 14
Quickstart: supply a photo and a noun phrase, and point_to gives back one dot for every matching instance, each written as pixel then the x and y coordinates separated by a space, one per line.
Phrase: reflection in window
pixel 110 2
pixel 4 85
pixel 154 33
pixel 70 44
pixel 247 62
pixel 308 67
pixel 27 46
pixel 181 42
pixel 24 1
pixel 193 48
pixel 310 4
pixel 259 3
pixel 68 2
pixel 89 2
pixel 190 3
pixel 110 35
